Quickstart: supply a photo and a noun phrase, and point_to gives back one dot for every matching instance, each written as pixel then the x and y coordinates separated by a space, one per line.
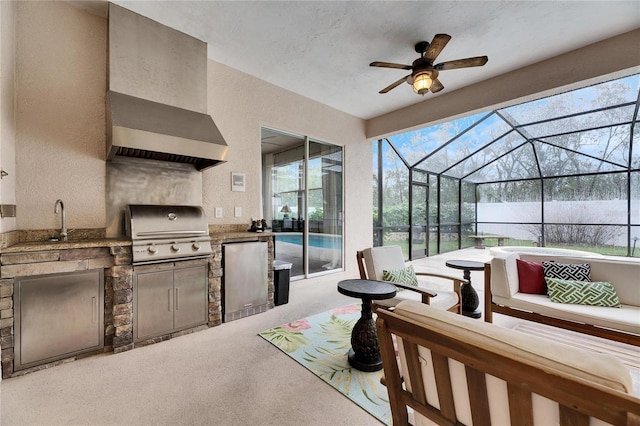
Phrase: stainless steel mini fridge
pixel 245 279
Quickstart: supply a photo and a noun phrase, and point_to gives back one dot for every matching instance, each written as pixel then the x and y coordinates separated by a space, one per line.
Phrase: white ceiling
pixel 322 49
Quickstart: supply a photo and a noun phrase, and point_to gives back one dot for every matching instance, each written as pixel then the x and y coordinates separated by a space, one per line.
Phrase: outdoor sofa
pixel 450 369
pixel 505 277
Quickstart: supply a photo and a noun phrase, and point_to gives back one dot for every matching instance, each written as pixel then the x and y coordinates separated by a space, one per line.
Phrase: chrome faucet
pixel 63 231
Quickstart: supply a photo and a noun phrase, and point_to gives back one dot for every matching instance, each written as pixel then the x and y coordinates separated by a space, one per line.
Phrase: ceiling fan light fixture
pixel 422 81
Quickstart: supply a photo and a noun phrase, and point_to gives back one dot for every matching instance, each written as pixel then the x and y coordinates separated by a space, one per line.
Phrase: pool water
pixel 328 241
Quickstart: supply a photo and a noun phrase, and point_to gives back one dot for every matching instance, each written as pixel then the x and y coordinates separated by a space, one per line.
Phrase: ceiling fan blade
pixel 389 65
pixel 437 44
pixel 395 84
pixel 436 86
pixel 478 61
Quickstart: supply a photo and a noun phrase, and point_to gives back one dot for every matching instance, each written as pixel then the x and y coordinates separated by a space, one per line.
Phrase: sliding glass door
pixel 325 207
pixel 302 199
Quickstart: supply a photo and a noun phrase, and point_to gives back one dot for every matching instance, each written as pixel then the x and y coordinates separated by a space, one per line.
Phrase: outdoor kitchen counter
pixel 66 245
pixel 239 236
pixel 102 265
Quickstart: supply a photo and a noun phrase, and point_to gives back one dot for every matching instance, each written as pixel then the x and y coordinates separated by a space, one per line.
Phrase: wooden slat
pixel 478 397
pixel 392 378
pixel 520 406
pixel 443 385
pixel 571 417
pixel 430 412
pixel 415 372
pixel 488 304
pixel 360 260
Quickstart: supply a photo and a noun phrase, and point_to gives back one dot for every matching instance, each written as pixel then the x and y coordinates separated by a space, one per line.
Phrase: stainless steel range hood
pixel 157 98
pixel 145 129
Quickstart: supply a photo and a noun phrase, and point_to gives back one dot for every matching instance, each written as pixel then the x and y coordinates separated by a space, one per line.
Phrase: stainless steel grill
pixel 167 233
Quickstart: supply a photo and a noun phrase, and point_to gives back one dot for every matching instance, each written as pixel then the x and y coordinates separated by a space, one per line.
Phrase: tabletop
pixel 465 264
pixel 369 289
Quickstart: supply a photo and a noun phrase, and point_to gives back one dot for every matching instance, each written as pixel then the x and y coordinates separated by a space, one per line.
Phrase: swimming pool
pixel 328 241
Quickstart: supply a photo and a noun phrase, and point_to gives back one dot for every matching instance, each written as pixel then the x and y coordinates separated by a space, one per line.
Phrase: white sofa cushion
pixel 625 318
pixel 444 300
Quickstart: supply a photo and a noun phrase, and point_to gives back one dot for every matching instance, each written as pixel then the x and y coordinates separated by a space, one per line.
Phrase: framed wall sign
pixel 237 181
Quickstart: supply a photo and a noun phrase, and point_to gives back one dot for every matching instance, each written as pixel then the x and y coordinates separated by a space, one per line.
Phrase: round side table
pixel 365 351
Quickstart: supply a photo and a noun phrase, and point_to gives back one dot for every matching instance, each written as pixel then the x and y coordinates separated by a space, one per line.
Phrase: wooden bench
pixel 456 371
pixel 479 240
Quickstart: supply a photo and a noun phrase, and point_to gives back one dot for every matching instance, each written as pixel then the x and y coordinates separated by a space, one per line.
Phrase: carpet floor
pixel 321 343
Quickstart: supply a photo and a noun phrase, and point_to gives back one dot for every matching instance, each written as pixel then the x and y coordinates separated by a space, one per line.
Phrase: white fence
pixel 610 212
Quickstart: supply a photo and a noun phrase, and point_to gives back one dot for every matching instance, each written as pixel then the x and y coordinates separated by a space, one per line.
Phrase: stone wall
pixel 119 303
pixel 6 326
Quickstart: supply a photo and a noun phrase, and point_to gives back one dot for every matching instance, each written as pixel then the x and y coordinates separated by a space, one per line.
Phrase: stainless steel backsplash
pixel 135 181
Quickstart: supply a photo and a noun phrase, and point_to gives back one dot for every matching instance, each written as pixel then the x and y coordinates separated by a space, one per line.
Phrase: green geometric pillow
pixel 403 276
pixel 582 292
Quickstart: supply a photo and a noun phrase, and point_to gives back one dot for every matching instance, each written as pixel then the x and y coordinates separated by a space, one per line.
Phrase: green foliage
pixel 317 214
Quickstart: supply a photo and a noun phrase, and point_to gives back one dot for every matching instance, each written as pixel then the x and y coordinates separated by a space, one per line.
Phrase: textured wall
pixel 240 105
pixel 60 90
pixel 7 113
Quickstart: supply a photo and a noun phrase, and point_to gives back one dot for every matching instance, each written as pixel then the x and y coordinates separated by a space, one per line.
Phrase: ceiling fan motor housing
pixel 422 66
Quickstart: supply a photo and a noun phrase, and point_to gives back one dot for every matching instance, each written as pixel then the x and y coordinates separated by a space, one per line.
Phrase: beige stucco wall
pixel 60 90
pixel 7 114
pixel 240 105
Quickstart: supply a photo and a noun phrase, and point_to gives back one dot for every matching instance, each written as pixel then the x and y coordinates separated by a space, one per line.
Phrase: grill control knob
pixel 152 249
pixel 175 248
pixel 195 246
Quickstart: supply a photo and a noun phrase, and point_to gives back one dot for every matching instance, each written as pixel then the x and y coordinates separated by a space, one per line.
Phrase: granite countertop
pixel 112 242
pixel 66 245
pixel 246 235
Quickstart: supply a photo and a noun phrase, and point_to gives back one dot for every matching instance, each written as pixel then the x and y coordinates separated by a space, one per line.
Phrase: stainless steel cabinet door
pixel 153 310
pixel 190 296
pixel 246 281
pixel 57 316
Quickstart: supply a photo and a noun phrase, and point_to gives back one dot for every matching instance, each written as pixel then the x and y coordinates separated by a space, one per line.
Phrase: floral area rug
pixel 321 343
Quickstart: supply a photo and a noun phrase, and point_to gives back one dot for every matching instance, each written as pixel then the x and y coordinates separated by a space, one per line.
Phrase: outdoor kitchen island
pixel 114 309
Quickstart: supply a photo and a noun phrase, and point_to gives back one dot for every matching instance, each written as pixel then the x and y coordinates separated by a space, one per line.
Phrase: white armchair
pixel 372 262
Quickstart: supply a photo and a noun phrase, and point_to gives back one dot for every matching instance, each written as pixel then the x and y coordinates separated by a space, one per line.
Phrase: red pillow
pixel 531 277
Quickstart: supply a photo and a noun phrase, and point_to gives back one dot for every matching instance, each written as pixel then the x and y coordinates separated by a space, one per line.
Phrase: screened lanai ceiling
pixel 585 131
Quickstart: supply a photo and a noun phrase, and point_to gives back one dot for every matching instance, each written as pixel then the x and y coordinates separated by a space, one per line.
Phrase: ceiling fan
pixel 424 75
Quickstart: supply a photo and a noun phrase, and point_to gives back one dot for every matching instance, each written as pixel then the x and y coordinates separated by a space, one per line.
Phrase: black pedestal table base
pixel 470 299
pixel 365 350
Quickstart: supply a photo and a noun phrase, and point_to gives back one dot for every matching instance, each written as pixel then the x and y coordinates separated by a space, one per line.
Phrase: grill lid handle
pixel 161 233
